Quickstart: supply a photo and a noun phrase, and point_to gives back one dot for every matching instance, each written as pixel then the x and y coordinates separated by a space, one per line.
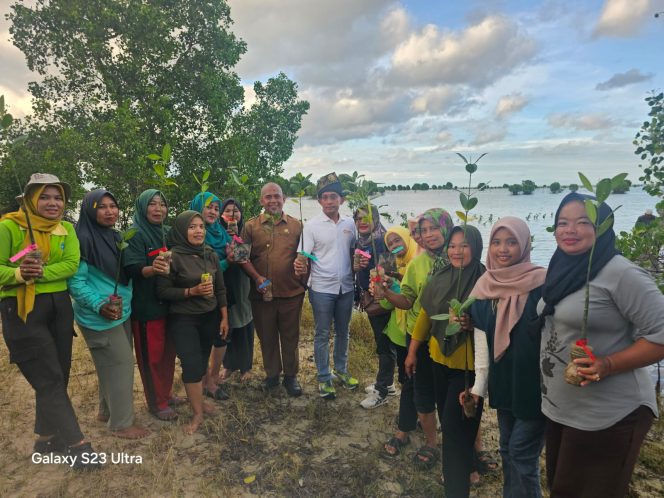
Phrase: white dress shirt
pixel 331 243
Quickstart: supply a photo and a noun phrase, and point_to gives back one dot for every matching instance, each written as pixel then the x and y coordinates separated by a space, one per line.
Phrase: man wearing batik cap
pixel 329 238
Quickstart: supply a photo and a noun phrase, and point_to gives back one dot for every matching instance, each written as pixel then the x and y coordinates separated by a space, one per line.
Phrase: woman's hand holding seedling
pixel 202 289
pixel 31 268
pixel 110 312
pixel 160 265
pixel 462 398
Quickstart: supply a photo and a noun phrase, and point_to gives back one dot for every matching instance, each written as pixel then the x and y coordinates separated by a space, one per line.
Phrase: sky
pixel 396 88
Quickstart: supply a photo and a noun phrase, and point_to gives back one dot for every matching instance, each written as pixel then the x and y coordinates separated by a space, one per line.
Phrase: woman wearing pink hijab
pixel 507 342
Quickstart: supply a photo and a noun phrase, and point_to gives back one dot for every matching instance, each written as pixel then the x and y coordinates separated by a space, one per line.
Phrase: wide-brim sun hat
pixel 39 179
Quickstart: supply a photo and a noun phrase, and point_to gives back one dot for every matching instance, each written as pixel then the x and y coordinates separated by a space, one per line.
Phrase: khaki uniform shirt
pixel 273 251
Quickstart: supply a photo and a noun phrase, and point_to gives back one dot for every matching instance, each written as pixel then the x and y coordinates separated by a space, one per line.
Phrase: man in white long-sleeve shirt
pixel 330 238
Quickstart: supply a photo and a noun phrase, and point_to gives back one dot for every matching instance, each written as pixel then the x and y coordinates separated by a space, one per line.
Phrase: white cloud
pixel 581 122
pixel 509 104
pixel 622 18
pixel 623 79
pixel 476 56
pixel 435 100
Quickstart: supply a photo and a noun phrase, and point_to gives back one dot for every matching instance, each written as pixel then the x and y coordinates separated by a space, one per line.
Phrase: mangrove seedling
pixel 115 300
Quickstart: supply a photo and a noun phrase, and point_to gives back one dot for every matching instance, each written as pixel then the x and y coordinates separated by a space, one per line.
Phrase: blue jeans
pixel 327 307
pixel 521 442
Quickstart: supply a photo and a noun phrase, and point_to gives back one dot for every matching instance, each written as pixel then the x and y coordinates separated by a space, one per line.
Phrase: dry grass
pixel 285 447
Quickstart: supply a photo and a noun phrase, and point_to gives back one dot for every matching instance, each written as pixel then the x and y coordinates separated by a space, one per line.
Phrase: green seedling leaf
pixel 129 233
pixel 603 190
pixel 295 200
pixel 605 225
pixel 467 304
pixel 462 157
pixel 7 120
pixel 551 229
pixel 471 168
pixel 154 157
pixel 206 175
pixel 472 202
pixel 166 153
pixel 442 316
pixel 452 328
pixel 455 304
pixel 160 169
pixel 244 179
pixel 170 183
pixel 586 183
pixel 462 216
pixel 122 245
pixel 591 211
pixel 463 199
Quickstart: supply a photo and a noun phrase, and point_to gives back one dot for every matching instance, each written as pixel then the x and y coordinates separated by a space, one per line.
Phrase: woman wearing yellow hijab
pixel 37 316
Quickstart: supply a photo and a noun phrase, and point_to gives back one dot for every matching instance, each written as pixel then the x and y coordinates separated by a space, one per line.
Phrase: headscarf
pixel 409 245
pixel 177 237
pixel 567 273
pixel 440 218
pixel 364 240
pixel 98 243
pixel 237 204
pixel 215 235
pixel 41 229
pixel 511 285
pixel 442 288
pixel 402 261
pixel 151 232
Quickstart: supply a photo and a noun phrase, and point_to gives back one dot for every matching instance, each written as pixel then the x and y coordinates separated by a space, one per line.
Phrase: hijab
pixel 567 273
pixel 41 229
pixel 442 288
pixel 215 235
pixel 237 204
pixel 402 262
pixel 98 244
pixel 378 231
pixel 150 231
pixel 511 285
pixel 177 237
pixel 440 218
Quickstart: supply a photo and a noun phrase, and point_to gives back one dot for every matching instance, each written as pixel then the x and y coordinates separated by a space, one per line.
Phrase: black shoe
pixel 85 457
pixel 270 383
pixel 293 387
pixel 53 445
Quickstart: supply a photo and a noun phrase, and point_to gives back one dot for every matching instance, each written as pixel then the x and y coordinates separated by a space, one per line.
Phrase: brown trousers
pixel 595 464
pixel 278 328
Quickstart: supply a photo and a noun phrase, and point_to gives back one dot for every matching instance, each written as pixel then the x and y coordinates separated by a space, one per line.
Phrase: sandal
pixel 218 395
pixel 485 463
pixel 397 444
pixel 166 414
pixel 425 457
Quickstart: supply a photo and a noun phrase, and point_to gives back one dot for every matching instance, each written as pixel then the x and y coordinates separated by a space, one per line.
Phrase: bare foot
pixel 209 409
pixel 132 432
pixel 224 375
pixel 246 376
pixel 102 417
pixel 192 426
pixel 474 478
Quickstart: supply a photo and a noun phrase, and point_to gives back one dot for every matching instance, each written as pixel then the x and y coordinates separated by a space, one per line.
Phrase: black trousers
pixel 387 356
pixel 240 351
pixel 41 348
pixel 407 413
pixel 193 336
pixel 458 431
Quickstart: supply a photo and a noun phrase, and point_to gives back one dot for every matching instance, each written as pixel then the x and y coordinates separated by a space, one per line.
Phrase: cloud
pixel 489 135
pixel 509 104
pixel 623 79
pixel 436 100
pixel 476 56
pixel 581 122
pixel 622 18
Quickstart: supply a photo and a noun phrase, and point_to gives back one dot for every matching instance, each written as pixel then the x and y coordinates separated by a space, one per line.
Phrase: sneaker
pixel 374 400
pixel 346 380
pixel 326 390
pixel 391 390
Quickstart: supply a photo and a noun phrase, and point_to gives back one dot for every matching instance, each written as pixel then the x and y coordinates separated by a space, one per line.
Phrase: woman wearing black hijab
pixel 595 431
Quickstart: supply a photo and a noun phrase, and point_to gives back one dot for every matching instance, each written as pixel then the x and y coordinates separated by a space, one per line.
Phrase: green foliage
pixel 528 187
pixel 122 244
pixel 649 142
pixel 622 188
pixel 122 78
pixel 644 245
pixel 555 188
pixel 573 187
pixel 515 188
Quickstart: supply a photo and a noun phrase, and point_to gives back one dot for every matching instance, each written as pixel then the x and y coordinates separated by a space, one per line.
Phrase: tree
pixel 555 188
pixel 622 188
pixel 573 187
pixel 515 189
pixel 528 187
pixel 649 142
pixel 121 79
pixel 448 186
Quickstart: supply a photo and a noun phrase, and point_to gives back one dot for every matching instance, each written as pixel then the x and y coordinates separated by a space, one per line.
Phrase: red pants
pixel 155 354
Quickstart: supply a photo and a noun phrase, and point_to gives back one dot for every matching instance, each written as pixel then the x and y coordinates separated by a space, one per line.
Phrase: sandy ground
pixel 256 445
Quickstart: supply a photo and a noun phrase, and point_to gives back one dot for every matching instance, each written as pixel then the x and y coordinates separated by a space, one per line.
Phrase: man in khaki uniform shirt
pixel 274 238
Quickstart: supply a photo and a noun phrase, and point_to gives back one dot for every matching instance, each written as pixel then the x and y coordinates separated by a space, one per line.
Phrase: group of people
pixel 185 291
